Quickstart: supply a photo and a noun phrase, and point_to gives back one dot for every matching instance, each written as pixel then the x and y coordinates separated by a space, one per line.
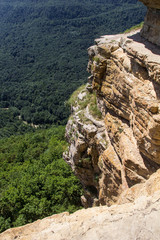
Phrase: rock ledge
pixel 138 220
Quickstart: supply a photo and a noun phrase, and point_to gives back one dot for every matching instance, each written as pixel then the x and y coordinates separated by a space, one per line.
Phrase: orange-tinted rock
pixel 123 149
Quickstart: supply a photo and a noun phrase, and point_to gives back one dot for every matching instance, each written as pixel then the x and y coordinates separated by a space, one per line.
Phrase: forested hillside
pixel 43 53
pixel 43 59
pixel 35 181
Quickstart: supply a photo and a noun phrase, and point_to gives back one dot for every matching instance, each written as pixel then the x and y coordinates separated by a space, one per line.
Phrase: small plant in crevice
pixel 73 98
pixel 97 86
pixel 96 59
pixel 83 118
pixel 120 129
pixel 100 163
pixel 96 177
pixel 87 159
pixel 93 108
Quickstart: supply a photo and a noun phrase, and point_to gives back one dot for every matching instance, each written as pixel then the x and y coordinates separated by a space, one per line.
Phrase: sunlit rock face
pixel 122 149
pixel 130 221
pixel 151 28
pixel 114 143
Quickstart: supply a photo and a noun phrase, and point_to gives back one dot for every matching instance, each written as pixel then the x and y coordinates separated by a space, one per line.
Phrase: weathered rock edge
pixel 123 149
pixel 138 220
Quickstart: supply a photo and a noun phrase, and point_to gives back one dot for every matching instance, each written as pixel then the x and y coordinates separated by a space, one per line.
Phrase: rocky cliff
pixel 114 130
pixel 151 28
pixel 131 221
pixel 114 143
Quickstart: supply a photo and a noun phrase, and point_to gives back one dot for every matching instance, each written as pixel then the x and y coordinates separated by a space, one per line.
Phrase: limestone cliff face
pixel 114 143
pixel 113 152
pixel 151 28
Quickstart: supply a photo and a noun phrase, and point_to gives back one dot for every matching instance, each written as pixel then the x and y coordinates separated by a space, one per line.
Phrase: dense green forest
pixel 35 182
pixel 43 59
pixel 10 123
pixel 43 53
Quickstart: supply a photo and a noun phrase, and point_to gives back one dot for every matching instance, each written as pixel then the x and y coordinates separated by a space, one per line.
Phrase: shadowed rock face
pixel 151 3
pixel 151 28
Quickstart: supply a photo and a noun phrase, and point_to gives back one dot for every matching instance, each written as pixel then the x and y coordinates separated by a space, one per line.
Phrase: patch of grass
pixel 93 108
pixel 88 100
pixel 87 159
pixel 120 129
pixel 96 59
pixel 95 111
pixel 83 118
pixel 103 141
pixel 136 27
pixel 73 98
pixel 83 161
pixel 96 177
pixel 97 86
pixel 92 67
pixel 112 41
pixel 83 103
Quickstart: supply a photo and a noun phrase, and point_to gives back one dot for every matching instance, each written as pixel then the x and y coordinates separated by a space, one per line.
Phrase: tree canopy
pixel 43 55
pixel 35 181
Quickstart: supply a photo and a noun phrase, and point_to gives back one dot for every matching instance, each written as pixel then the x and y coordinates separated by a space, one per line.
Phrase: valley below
pixel 110 148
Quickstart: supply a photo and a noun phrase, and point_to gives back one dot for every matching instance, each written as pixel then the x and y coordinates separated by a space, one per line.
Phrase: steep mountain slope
pixel 43 50
pixel 114 136
pixel 112 151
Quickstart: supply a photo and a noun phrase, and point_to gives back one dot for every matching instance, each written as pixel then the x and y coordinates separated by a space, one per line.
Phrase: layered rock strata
pixel 112 154
pixel 114 137
pixel 151 28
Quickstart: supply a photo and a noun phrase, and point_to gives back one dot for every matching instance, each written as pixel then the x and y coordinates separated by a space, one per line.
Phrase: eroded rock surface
pixel 138 220
pixel 151 28
pixel 151 3
pixel 112 154
pixel 114 143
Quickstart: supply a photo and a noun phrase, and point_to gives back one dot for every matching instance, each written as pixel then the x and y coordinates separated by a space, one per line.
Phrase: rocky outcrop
pixel 151 3
pixel 87 139
pixel 112 154
pixel 151 27
pixel 147 188
pixel 138 220
pixel 114 143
